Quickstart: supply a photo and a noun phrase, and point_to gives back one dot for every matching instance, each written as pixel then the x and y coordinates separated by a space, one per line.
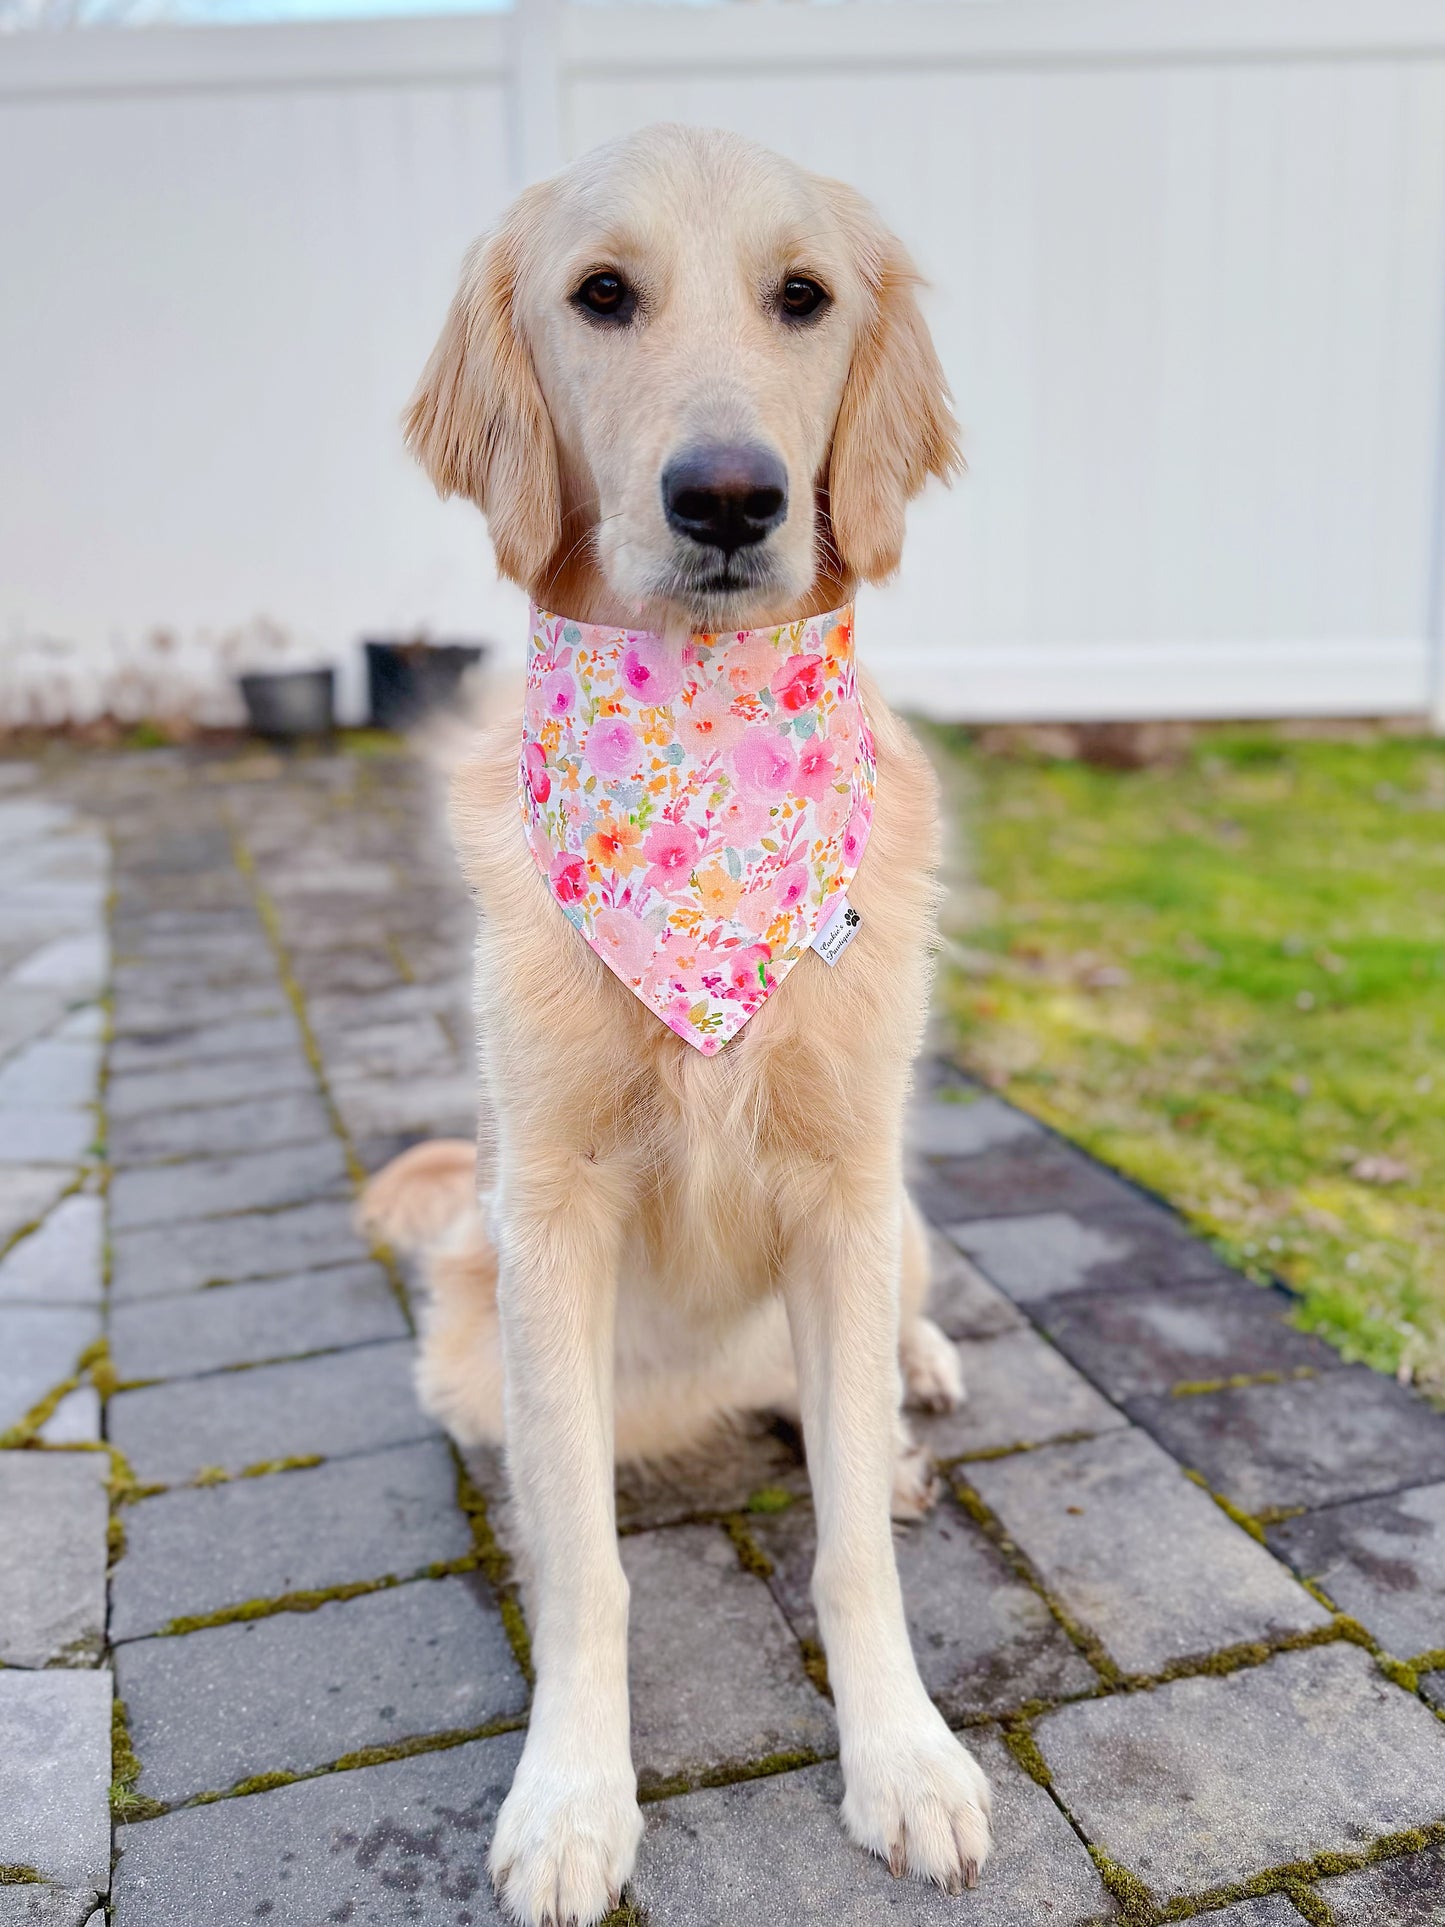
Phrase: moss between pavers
pixel 125 1770
pixel 13 1875
pixel 651 1787
pixel 408 1749
pixel 308 1600
pixel 1238 1382
pixel 492 1561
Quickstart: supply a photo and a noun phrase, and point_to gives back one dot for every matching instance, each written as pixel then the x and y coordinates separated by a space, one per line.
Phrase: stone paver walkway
pixel 262 1659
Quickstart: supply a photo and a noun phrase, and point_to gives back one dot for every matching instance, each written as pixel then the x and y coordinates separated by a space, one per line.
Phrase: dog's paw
pixel 932 1375
pixel 916 1486
pixel 920 1801
pixel 562 1851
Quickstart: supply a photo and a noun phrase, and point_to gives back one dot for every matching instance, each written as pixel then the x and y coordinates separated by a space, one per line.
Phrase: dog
pixel 661 1238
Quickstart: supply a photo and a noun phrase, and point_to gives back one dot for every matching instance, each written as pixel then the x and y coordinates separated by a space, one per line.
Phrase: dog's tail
pixel 420 1199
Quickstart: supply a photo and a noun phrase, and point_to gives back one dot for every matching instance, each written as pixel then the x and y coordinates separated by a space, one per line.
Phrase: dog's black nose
pixel 726 495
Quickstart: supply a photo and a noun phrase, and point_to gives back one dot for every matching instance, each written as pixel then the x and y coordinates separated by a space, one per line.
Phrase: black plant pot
pixel 407 680
pixel 291 703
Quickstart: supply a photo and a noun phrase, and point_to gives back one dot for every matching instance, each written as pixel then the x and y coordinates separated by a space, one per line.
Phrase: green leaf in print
pixel 734 863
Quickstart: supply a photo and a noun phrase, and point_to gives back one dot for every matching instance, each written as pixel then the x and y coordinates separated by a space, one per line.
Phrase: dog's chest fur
pixel 720 1157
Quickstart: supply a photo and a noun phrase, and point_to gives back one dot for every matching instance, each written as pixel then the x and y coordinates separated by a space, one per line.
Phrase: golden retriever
pixel 664 1237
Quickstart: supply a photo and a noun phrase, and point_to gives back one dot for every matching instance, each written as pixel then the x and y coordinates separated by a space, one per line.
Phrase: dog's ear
pixel 477 422
pixel 895 427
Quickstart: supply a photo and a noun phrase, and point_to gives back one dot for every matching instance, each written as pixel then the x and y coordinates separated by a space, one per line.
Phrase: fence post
pixel 535 90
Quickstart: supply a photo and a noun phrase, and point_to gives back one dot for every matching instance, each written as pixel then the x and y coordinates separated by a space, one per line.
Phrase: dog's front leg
pixel 568 1831
pixel 913 1794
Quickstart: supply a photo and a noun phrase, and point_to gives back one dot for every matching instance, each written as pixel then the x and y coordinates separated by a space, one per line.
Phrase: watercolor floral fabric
pixel 697 808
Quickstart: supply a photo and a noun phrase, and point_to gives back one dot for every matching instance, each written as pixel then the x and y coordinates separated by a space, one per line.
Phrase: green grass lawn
pixel 1227 978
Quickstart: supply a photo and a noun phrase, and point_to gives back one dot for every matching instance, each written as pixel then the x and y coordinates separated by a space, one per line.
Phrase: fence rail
pixel 1189 283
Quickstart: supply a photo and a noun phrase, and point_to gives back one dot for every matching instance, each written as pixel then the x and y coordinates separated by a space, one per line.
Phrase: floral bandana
pixel 698 809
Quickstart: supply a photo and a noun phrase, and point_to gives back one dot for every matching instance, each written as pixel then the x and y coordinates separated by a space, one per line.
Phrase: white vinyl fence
pixel 1188 261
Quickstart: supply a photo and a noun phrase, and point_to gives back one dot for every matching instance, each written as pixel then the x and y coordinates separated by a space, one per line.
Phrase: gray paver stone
pixel 402 1845
pixel 1032 1173
pixel 774 1850
pixel 298 1690
pixel 353 1401
pixel 1139 1342
pixel 198 1551
pixel 214 1081
pixel 1020 1390
pixel 60 1262
pixel 54 1071
pixel 272 1318
pixel 1125 1541
pixel 179 1046
pixel 55 1775
pixel 754 1454
pixel 1209 1781
pixel 46 1134
pixel 1344 1435
pixel 31 1906
pixel 40 1346
pixel 144 1008
pixel 295 1117
pixel 1405 1892
pixel 53 1516
pixel 937 1128
pixel 961 1300
pixel 210 1187
pixel 1382 1560
pixel 1432 1686
pixel 716 1675
pixel 446 1106
pixel 984 1640
pixel 157 1259
pixel 1049 1252
pixel 75 1420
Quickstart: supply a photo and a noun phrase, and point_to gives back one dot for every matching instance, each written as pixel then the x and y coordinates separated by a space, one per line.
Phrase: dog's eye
pixel 801 297
pixel 605 295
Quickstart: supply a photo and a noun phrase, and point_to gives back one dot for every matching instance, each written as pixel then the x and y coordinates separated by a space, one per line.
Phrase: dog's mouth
pixel 717 590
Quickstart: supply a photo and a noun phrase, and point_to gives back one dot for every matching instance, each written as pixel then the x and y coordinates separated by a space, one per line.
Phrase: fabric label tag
pixel 839 931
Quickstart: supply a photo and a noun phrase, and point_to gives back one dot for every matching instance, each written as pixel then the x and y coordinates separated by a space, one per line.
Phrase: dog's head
pixel 693 373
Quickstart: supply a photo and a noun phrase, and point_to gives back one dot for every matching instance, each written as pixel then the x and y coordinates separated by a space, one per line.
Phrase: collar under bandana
pixel 698 808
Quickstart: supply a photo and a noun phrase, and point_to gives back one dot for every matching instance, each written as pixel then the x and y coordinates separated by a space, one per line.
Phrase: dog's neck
pixel 573 585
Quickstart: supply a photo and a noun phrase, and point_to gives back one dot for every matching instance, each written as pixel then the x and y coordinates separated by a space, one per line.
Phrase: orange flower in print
pixel 615 846
pixel 718 892
pixel 697 806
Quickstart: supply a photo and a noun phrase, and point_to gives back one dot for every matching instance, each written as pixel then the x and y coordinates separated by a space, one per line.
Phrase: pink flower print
pixel 558 693
pixel 816 771
pixel 672 850
pixel 568 877
pixel 747 970
pixel 538 781
pixel 758 907
pixel 742 820
pixel 612 746
pixel 651 670
pixel 764 764
pixel 791 887
pixel 856 835
pixel 799 683
pixel 832 811
pixel 622 942
pixel 843 731
pixel 749 664
pixel 706 726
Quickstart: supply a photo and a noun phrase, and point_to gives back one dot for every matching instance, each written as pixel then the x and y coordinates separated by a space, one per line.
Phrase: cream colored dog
pixel 665 1237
